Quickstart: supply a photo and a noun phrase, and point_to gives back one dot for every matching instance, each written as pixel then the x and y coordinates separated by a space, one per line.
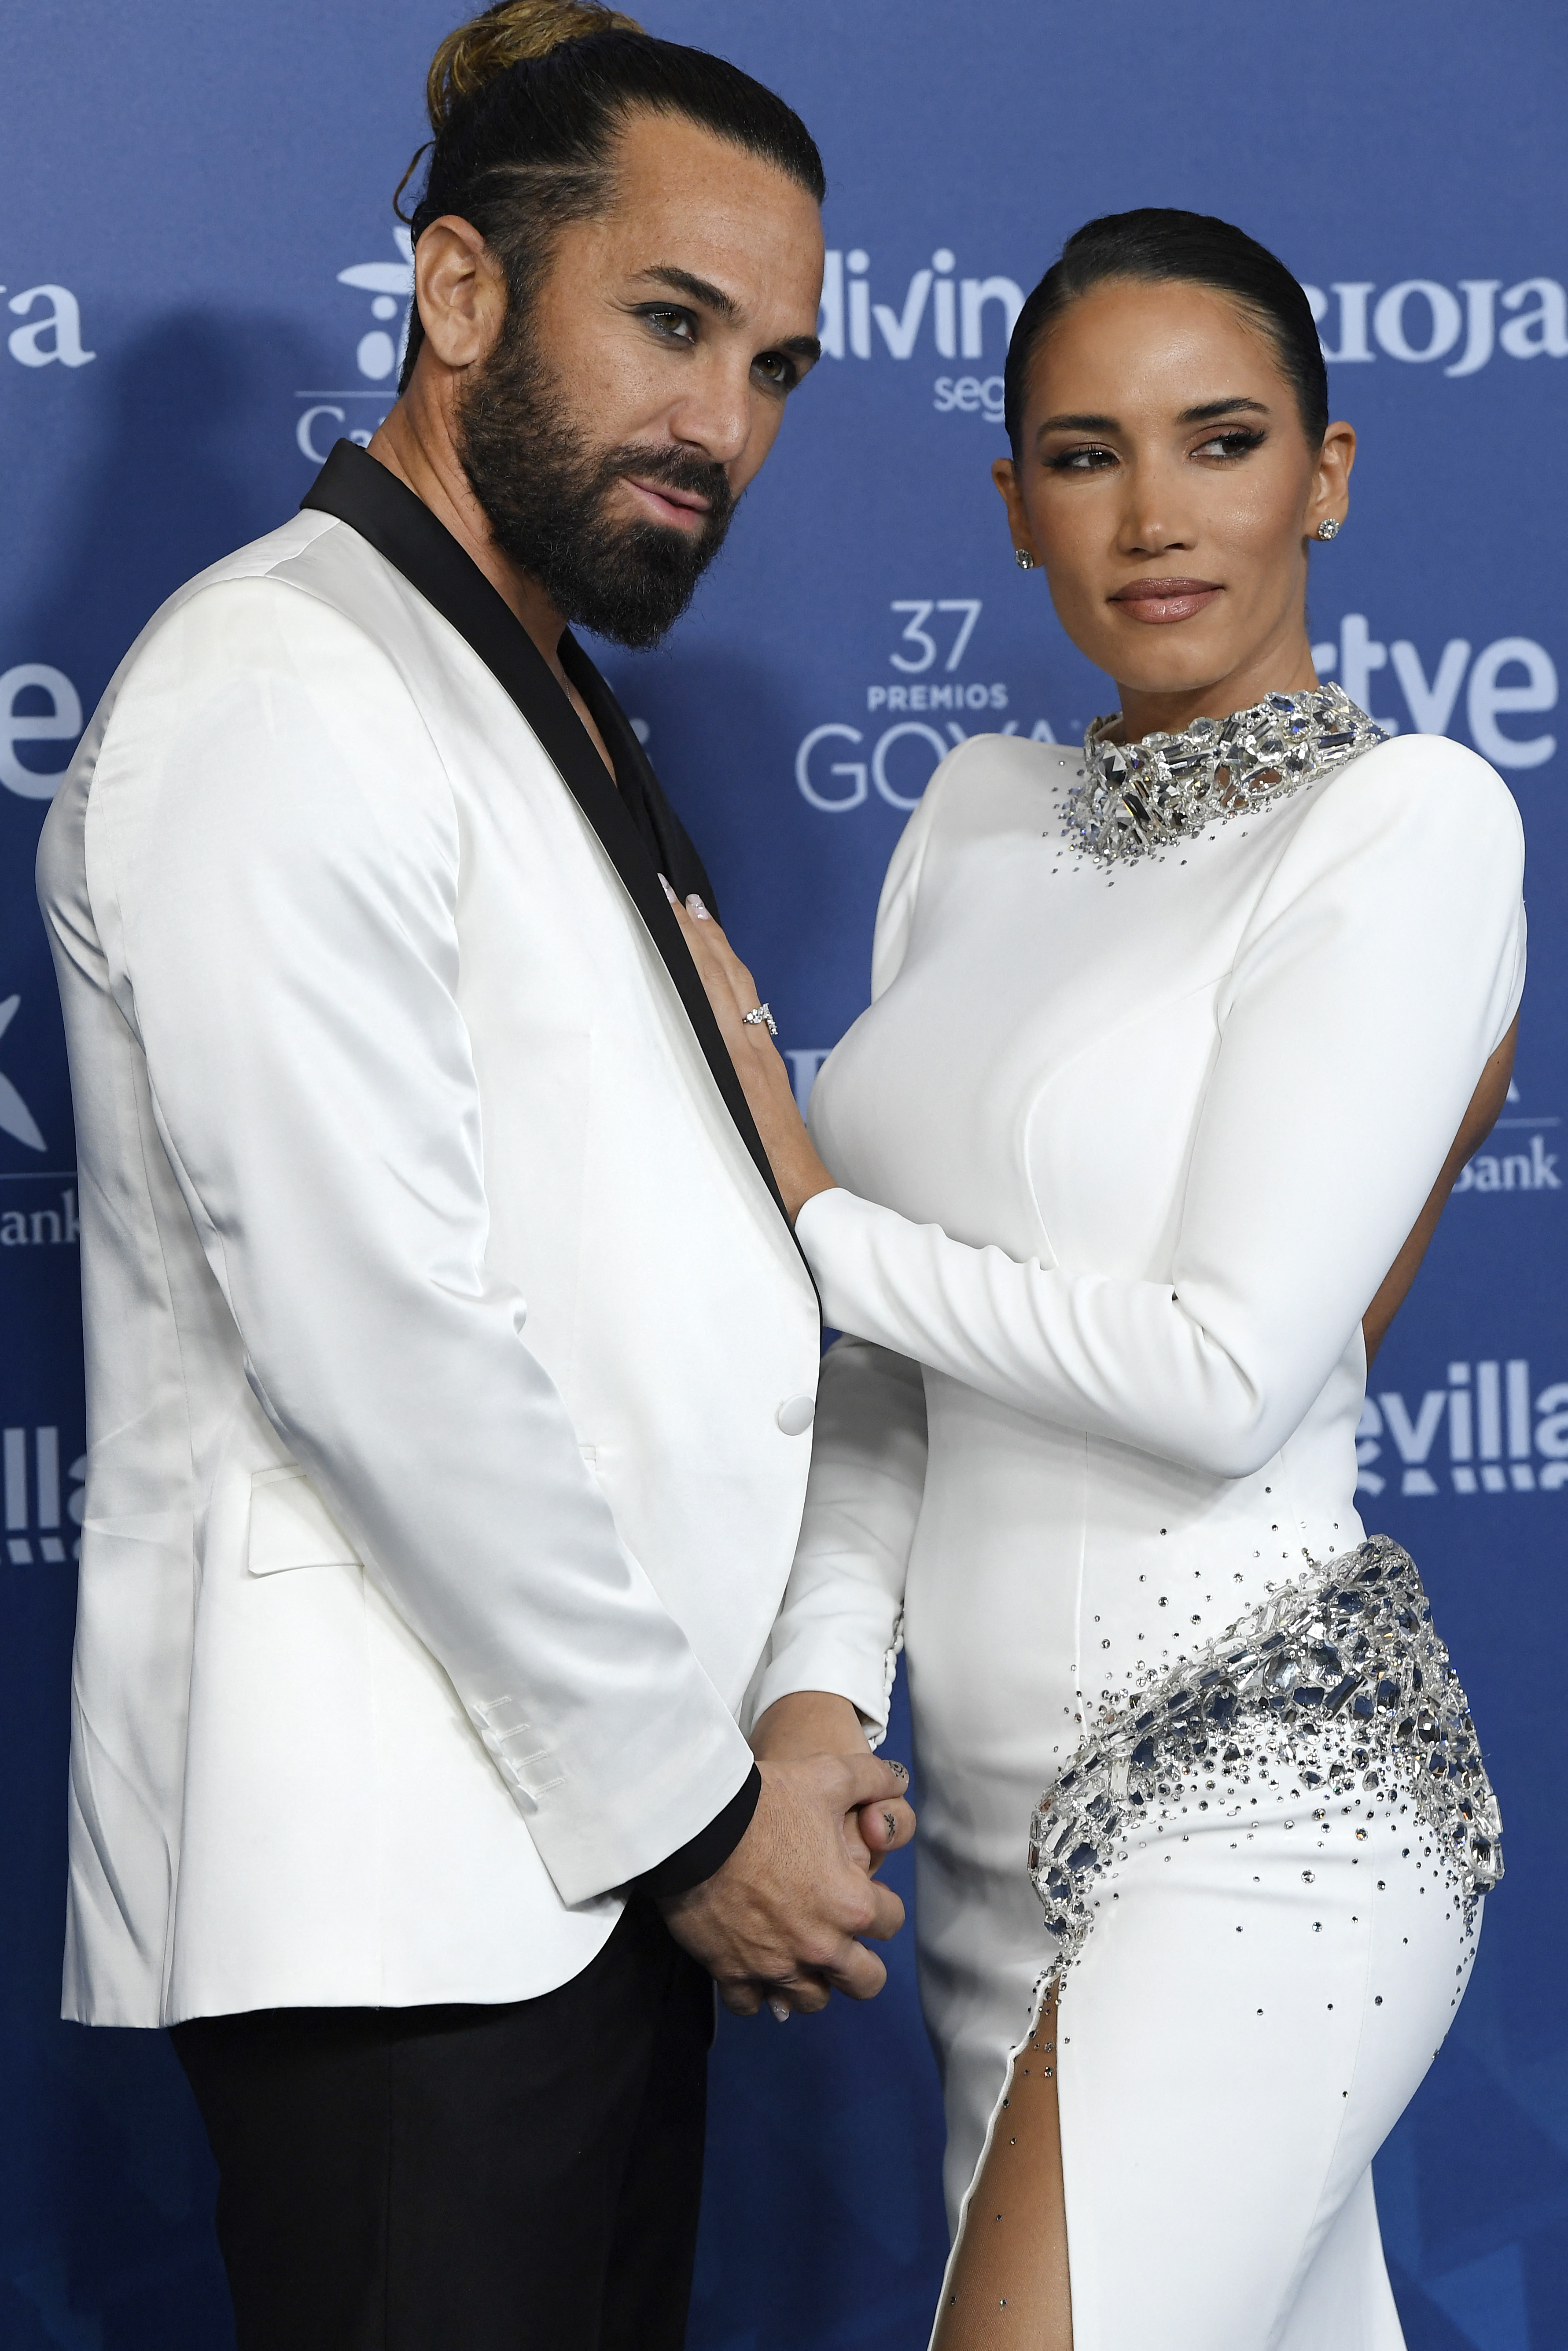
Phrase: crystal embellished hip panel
pixel 1336 1695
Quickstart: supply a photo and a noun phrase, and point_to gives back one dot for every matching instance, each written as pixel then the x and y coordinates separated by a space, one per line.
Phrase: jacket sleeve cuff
pixel 711 1847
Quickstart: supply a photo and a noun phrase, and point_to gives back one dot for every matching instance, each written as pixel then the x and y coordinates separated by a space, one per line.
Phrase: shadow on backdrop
pixel 106 2243
pixel 168 490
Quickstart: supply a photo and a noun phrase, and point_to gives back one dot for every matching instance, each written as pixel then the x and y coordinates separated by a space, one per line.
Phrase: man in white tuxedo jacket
pixel 451 1360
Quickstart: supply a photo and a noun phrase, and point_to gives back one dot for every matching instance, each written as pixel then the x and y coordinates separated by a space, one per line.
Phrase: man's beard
pixel 546 494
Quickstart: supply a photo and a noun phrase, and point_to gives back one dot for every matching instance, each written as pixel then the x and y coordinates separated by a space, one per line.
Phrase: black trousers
pixel 522 2177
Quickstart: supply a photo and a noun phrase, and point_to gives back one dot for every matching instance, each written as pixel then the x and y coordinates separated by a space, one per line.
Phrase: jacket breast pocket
pixel 290 1526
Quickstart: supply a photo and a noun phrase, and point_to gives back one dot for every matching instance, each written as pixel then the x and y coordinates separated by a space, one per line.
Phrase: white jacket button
pixel 796 1413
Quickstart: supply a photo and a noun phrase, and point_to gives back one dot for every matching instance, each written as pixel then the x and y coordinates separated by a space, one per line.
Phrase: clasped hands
pixel 780 1923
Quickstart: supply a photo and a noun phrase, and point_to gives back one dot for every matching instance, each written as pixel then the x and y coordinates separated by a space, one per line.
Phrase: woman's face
pixel 1168 490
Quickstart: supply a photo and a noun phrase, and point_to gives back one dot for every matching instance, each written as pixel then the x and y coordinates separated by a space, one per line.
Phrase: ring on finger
pixel 761 1017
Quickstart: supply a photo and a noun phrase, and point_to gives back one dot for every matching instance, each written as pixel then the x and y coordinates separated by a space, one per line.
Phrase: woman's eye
pixel 1082 461
pixel 1229 444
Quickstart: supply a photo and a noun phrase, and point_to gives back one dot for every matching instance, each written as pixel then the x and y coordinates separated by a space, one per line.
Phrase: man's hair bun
pixel 526 103
pixel 514 33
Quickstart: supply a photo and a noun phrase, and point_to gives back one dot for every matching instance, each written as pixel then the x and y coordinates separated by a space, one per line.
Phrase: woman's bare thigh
pixel 1009 2282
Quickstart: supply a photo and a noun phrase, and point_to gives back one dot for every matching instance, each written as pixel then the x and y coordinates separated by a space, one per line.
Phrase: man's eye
pixel 678 326
pixel 777 369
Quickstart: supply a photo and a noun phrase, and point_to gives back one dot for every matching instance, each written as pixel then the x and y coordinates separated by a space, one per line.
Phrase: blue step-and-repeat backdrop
pixel 202 285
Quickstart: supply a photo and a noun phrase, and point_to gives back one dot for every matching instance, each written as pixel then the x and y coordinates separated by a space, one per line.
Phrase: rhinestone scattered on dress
pixel 1338 1683
pixel 1129 800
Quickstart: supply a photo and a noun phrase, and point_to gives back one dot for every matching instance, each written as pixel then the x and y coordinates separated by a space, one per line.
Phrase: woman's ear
pixel 1005 476
pixel 1331 489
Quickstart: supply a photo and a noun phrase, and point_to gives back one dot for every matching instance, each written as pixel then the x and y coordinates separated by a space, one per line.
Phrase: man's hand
pixel 816 1722
pixel 779 1921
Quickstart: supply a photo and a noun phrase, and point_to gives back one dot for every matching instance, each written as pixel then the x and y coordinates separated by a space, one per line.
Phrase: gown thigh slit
pixel 1007 2282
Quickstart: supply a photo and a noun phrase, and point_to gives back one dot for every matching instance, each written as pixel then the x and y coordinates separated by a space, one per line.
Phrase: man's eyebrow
pixel 712 298
pixel 1078 424
pixel 806 348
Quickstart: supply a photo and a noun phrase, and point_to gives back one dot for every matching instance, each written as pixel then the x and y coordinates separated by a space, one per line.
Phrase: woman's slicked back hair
pixel 1159 243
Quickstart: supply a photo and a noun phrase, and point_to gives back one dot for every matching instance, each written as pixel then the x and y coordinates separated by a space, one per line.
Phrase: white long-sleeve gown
pixel 1124 1157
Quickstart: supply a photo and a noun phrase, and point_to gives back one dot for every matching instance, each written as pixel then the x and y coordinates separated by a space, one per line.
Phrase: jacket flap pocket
pixel 290 1526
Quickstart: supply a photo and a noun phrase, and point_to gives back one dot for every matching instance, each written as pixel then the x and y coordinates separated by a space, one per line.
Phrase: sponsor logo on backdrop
pixel 951 317
pixel 354 411
pixel 1488 1429
pixel 37 705
pixel 1418 321
pixel 15 1119
pixel 1517 1157
pixel 805 1061
pixel 24 1222
pixel 40 1513
pixel 28 1228
pixel 929 653
pixel 52 335
pixel 1509 676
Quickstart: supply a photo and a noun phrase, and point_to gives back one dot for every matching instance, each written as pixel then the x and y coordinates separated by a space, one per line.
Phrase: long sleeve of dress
pixel 276 884
pixel 1381 966
pixel 840 1628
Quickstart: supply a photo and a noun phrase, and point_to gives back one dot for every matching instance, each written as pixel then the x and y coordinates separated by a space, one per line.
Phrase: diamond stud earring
pixel 1328 527
pixel 1023 559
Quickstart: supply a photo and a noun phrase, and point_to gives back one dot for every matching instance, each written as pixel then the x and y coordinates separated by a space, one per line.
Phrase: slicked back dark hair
pixel 1158 243
pixel 526 103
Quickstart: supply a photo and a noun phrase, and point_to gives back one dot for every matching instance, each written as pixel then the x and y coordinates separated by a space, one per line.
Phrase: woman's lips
pixel 1159 600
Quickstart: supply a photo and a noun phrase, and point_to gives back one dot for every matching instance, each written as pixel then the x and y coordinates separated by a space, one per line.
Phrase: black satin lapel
pixel 359 490
pixel 677 855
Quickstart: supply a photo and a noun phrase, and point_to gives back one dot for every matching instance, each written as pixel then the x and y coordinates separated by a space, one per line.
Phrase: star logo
pixel 392 284
pixel 15 1118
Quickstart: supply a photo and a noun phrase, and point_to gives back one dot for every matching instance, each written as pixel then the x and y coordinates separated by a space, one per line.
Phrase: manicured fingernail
pixel 890 1825
pixel 782 2009
pixel 668 892
pixel 899 1770
pixel 694 906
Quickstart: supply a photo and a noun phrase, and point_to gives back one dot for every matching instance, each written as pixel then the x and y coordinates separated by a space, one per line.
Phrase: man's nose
pixel 715 416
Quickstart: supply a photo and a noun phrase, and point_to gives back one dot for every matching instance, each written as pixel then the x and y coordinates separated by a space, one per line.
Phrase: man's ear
pixel 461 292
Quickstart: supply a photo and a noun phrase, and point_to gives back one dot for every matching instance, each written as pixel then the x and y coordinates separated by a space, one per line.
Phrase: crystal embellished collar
pixel 1133 799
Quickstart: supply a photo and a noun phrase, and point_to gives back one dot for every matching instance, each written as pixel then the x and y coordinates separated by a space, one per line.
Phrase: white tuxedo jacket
pixel 449 1359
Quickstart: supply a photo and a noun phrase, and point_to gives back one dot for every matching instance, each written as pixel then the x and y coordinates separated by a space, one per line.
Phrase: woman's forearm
pixel 808 1722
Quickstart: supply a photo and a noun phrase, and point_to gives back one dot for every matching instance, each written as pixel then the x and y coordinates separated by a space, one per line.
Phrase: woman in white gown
pixel 1177 1043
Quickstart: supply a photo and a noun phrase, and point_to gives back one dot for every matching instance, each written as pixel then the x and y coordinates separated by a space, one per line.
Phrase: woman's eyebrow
pixel 1205 413
pixel 1209 409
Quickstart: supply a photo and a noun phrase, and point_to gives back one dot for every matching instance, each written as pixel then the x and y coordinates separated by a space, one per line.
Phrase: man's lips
pixel 685 508
pixel 1158 601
